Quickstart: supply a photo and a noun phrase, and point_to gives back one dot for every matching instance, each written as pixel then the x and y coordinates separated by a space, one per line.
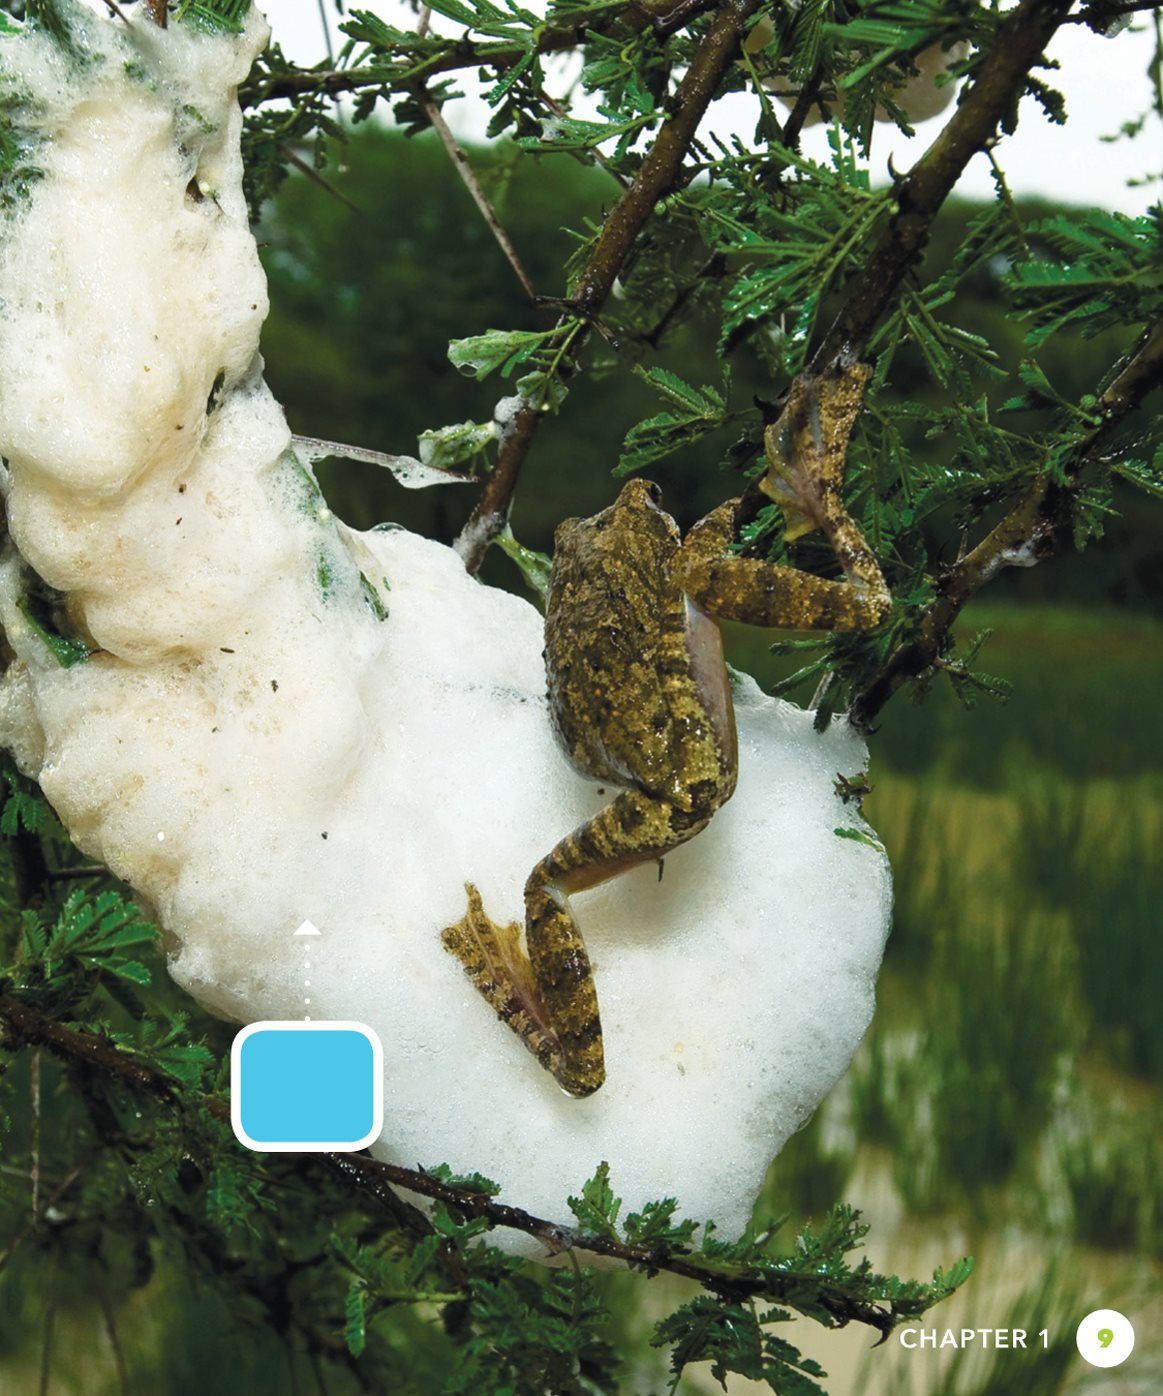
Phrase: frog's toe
pixel 494 959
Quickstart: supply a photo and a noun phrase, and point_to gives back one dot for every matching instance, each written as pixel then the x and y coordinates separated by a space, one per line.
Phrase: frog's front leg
pixel 546 993
pixel 730 587
pixel 806 450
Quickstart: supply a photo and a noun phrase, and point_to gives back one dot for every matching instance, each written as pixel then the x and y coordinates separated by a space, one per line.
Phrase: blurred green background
pixel 1007 1100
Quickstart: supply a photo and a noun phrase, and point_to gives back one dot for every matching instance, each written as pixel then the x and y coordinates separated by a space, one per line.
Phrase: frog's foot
pixel 495 960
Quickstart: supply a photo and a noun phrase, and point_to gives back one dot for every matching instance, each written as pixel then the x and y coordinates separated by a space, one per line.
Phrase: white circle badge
pixel 1105 1338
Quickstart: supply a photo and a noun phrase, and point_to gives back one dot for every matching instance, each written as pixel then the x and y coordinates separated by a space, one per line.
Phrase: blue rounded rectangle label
pixel 311 1086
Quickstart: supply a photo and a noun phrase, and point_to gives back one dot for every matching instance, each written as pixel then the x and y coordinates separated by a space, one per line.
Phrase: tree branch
pixel 1018 45
pixel 1029 532
pixel 777 1280
pixel 38 1029
pixel 1101 14
pixel 452 55
pixel 656 175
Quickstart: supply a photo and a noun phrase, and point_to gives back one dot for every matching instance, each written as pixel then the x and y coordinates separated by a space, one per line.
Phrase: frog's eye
pixel 655 493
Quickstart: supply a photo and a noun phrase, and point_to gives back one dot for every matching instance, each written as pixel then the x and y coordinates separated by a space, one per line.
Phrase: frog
pixel 640 699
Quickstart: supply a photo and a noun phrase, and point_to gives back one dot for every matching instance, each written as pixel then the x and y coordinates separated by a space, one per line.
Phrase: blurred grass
pixel 1011 1076
pixel 1085 705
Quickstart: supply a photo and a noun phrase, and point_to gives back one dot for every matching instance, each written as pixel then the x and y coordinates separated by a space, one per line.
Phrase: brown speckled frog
pixel 639 698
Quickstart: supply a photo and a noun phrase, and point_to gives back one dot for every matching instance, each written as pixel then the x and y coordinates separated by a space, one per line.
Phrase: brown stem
pixel 156 9
pixel 460 163
pixel 1017 47
pixel 110 1319
pixel 714 267
pixel 1029 532
pixel 680 16
pixel 38 1029
pixel 34 1142
pixel 467 53
pixel 31 1026
pixel 808 96
pixel 656 175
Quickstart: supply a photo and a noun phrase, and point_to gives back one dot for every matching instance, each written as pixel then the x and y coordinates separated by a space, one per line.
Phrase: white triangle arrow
pixel 307 929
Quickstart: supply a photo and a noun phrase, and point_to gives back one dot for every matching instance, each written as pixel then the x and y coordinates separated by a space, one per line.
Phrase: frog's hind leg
pixel 547 995
pixel 636 828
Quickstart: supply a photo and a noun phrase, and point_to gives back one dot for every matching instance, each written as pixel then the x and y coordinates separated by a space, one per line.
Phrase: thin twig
pixel 464 169
pixel 714 267
pixel 54 1197
pixel 50 1310
pixel 111 1329
pixel 34 1143
pixel 325 22
pixel 460 163
pixel 661 167
pixel 603 160
pixel 1100 17
pixel 455 54
pixel 316 178
pixel 806 99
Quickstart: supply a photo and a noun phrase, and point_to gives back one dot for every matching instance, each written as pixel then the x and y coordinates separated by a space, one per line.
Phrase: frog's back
pixel 615 643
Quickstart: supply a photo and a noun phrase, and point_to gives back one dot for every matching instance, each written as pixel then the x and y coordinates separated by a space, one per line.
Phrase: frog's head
pixel 635 527
pixel 640 506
